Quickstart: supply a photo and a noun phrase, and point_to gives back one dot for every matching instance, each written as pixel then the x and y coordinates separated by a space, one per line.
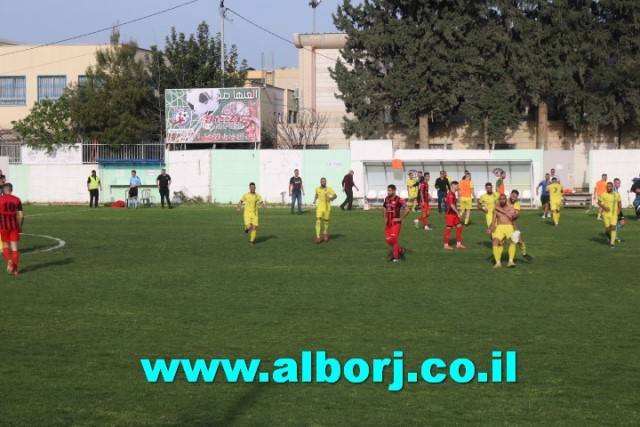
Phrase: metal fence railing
pixel 94 153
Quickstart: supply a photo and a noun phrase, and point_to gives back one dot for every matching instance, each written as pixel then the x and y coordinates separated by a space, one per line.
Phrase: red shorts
pixel 10 235
pixel 425 207
pixel 452 220
pixel 393 230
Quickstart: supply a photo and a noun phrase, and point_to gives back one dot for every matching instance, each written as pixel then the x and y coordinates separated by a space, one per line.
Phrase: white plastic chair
pixel 382 194
pixel 404 194
pixel 147 199
pixel 526 196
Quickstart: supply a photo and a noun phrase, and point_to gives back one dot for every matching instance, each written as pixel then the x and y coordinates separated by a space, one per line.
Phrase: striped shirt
pixel 9 207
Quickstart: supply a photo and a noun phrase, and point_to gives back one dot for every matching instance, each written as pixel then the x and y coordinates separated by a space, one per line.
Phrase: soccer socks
pixel 466 220
pixel 497 254
pixel 393 242
pixel 556 217
pixel 252 235
pixel 318 227
pixel 524 247
pixel 16 259
pixel 7 254
pixel 447 235
pixel 326 227
pixel 618 231
pixel 512 252
pixel 459 235
pixel 613 237
pixel 423 220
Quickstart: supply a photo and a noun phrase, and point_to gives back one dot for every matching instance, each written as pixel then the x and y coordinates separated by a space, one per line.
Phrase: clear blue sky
pixel 45 21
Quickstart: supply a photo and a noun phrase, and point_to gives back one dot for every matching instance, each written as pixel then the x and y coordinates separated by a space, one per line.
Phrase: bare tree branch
pixel 306 131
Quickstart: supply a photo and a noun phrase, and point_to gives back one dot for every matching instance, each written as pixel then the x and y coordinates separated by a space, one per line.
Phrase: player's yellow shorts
pixel 556 205
pixel 323 213
pixel 503 232
pixel 251 219
pixel 413 193
pixel 465 203
pixel 489 217
pixel 610 219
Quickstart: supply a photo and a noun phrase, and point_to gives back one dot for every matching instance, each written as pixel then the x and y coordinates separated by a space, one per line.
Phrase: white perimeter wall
pixel 58 183
pixel 276 169
pixel 190 172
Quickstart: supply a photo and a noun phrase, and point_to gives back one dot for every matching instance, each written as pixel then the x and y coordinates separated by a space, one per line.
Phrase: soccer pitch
pixel 185 283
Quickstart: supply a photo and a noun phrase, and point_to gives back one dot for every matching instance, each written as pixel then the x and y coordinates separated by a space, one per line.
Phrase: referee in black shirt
pixel 164 181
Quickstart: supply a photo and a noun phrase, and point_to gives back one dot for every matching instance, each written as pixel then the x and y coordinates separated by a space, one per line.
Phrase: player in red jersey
pixel 453 218
pixel 423 196
pixel 11 220
pixel 393 221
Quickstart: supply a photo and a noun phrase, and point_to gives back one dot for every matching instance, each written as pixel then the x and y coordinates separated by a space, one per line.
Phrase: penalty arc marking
pixel 59 243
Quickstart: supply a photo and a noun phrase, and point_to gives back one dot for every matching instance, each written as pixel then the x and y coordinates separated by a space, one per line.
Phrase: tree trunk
pixel 543 125
pixel 423 130
pixel 620 134
pixel 485 134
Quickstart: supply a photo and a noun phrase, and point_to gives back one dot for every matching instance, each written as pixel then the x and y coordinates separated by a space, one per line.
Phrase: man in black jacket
pixel 442 187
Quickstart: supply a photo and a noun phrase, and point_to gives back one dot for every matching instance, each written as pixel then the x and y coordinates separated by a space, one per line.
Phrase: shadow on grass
pixel 56 263
pixel 486 243
pixel 263 239
pixel 335 236
pixel 234 413
pixel 602 239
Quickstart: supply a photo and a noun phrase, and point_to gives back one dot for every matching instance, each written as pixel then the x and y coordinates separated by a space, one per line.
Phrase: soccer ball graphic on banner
pixel 204 101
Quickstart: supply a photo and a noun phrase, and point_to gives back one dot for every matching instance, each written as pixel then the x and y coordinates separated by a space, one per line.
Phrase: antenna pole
pixel 223 13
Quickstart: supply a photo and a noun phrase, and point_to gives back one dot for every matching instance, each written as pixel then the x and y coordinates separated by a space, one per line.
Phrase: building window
pixel 51 87
pixel 504 146
pixel 82 80
pixel 440 146
pixel 13 90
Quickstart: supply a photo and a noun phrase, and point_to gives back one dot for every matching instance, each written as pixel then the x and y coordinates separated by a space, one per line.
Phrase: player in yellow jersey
pixel 610 203
pixel 556 191
pixel 467 194
pixel 502 230
pixel 251 200
pixel 487 202
pixel 517 234
pixel 322 200
pixel 412 190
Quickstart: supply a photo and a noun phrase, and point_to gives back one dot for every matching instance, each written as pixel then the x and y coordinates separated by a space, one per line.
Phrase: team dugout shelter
pixel 379 174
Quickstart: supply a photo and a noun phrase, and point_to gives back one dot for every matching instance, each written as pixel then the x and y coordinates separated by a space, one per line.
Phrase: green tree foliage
pixel 193 62
pixel 418 59
pixel 115 104
pixel 491 100
pixel 486 60
pixel 48 126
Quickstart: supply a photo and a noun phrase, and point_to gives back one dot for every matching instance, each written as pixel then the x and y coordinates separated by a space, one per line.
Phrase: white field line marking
pixel 56 213
pixel 60 243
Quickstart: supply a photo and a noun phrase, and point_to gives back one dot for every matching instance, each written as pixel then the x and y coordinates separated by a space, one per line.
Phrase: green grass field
pixel 184 283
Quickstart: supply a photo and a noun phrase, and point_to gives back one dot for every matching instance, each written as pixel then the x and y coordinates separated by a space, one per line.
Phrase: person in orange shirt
pixel 501 188
pixel 467 195
pixel 598 190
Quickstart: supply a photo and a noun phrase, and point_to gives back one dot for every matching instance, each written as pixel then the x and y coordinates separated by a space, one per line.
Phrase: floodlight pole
pixel 314 4
pixel 222 17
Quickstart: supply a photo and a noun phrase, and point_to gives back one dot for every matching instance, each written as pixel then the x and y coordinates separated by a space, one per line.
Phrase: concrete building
pixel 316 54
pixel 29 73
